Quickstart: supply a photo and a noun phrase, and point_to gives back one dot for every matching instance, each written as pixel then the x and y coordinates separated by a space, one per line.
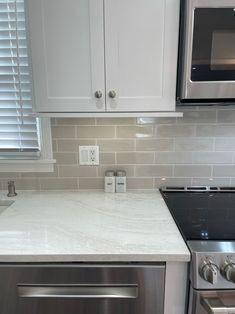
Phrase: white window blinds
pixel 18 131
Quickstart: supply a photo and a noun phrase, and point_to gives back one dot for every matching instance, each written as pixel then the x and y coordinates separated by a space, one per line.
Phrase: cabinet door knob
pixel 98 94
pixel 112 94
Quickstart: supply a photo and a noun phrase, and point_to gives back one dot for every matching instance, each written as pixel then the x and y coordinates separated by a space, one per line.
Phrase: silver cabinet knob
pixel 112 94
pixel 98 94
pixel 209 271
pixel 228 270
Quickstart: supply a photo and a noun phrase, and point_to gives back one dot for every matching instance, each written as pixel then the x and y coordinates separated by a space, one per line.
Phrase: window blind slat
pixel 18 130
pixel 13 105
pixel 14 144
pixel 14 121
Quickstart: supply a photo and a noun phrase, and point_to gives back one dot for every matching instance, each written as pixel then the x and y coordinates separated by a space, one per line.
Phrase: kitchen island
pixel 94 227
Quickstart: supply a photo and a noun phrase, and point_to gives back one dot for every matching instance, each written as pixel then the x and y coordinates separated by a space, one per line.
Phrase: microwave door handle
pixel 78 291
pixel 216 306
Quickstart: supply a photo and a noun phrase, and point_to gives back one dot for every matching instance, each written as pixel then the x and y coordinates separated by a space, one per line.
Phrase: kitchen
pixel 121 101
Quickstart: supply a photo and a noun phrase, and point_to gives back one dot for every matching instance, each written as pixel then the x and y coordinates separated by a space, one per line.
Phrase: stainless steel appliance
pixel 206 218
pixel 207 51
pixel 81 288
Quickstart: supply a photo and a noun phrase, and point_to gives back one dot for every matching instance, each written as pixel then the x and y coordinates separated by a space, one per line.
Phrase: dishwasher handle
pixel 216 306
pixel 78 291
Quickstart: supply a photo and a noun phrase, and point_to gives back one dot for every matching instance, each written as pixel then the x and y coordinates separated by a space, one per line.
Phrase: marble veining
pixel 89 226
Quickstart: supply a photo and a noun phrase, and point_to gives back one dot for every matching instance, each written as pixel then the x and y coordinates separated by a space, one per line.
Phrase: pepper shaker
pixel 121 181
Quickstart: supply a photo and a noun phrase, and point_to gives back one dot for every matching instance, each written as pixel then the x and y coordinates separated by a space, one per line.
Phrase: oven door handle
pixel 216 306
pixel 78 291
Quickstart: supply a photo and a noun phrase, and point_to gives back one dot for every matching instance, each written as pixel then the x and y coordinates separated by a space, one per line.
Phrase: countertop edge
pixel 94 258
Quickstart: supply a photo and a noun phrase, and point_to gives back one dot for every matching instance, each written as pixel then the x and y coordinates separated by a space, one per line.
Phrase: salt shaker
pixel 109 181
pixel 121 181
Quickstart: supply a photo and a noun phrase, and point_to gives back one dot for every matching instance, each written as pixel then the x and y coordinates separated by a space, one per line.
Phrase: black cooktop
pixel 202 213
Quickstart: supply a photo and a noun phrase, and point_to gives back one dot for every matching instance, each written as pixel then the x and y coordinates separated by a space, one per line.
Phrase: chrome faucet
pixel 11 189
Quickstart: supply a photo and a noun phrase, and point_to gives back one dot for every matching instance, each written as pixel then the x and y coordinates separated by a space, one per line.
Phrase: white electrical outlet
pixel 89 155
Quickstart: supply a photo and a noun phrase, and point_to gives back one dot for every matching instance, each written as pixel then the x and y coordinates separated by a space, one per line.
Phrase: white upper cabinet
pixel 67 46
pixel 107 56
pixel 141 54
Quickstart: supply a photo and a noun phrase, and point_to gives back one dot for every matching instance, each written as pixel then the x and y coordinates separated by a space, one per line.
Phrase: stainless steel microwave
pixel 207 51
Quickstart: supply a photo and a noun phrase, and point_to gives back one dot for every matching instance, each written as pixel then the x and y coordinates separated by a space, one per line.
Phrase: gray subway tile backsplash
pixel 225 144
pixel 212 158
pixel 211 181
pixel 174 131
pixel 59 184
pixel 155 145
pixel 199 116
pixel 163 120
pixel 74 171
pixel 91 183
pixel 95 131
pixel 134 131
pixel 216 130
pixel 198 149
pixel 154 171
pixel 68 145
pixel 226 116
pixel 54 174
pixel 107 158
pixel 62 131
pixel 135 158
pixel 66 158
pixel 173 158
pixel 193 144
pixel 116 121
pixel 158 182
pixel 140 183
pixel 224 171
pixel 116 145
pixel 192 171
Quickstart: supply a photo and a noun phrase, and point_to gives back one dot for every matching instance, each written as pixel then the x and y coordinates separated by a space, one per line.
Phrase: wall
pixel 198 149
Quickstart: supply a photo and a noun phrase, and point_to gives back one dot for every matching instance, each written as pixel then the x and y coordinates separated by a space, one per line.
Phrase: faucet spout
pixel 11 189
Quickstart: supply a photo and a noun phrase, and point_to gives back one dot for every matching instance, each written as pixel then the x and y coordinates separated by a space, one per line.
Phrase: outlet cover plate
pixel 89 155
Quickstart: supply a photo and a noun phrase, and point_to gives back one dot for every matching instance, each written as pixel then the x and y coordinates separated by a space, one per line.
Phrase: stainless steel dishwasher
pixel 82 289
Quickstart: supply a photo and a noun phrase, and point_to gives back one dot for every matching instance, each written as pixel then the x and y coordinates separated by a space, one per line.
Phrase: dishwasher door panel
pixel 82 289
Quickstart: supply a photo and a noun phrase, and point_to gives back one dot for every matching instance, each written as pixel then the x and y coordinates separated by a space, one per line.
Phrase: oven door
pixel 212 302
pixel 209 61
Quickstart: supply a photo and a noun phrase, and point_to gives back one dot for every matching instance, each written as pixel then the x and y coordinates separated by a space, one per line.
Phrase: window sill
pixel 27 165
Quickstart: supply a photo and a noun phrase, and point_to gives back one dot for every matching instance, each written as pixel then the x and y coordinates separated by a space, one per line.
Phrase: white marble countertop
pixel 89 226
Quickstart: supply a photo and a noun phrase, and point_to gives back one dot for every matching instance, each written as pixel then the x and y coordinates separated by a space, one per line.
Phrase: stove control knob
pixel 228 270
pixel 209 271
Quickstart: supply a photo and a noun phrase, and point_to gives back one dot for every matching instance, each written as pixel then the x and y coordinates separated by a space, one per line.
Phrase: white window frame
pixel 44 163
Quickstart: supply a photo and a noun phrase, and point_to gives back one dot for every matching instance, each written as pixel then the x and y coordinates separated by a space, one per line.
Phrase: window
pixel 21 134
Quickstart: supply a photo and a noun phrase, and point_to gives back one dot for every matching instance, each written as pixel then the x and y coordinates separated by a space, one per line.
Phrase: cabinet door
pixel 141 54
pixel 67 46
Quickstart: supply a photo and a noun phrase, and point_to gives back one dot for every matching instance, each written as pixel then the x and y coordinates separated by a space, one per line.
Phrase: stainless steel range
pixel 206 218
